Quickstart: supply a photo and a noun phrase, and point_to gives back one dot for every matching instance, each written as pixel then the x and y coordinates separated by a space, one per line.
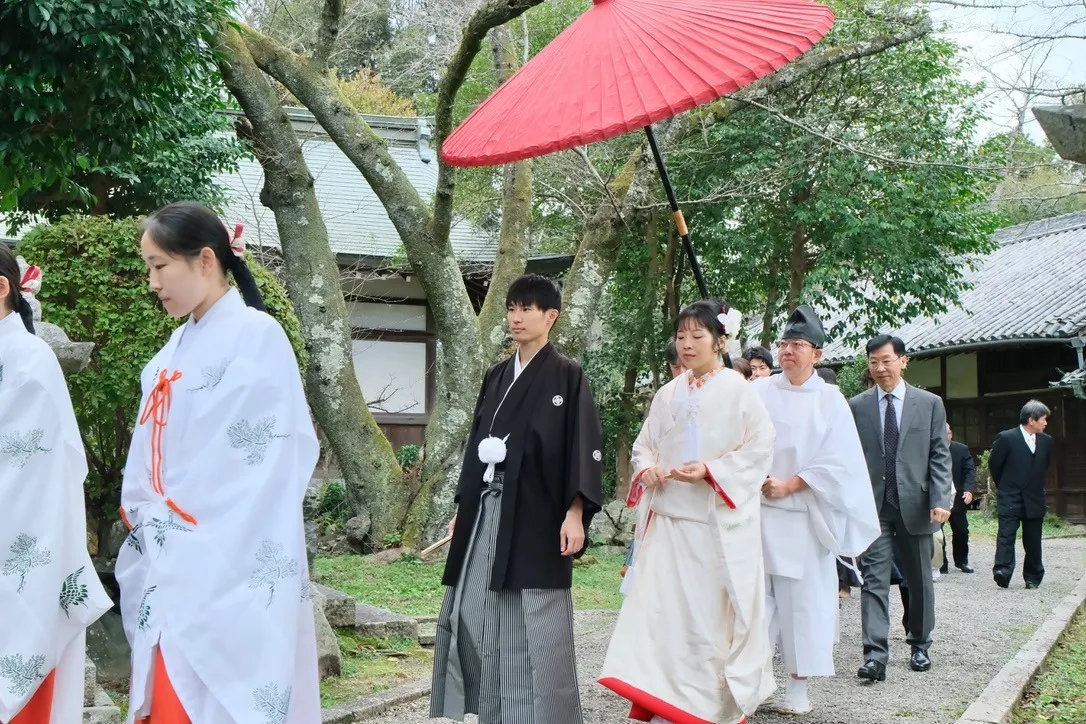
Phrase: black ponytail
pixel 185 228
pixel 9 269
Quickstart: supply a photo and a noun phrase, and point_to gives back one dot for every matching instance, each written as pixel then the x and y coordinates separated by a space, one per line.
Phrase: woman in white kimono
pixel 691 643
pixel 213 575
pixel 49 592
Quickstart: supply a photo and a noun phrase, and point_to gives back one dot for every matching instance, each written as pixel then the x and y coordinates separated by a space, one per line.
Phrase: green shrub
pixel 408 456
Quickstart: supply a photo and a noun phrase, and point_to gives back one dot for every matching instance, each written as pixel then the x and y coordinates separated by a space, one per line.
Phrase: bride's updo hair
pixel 705 313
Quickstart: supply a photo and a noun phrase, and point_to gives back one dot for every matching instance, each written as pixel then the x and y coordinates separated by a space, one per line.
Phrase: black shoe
pixel 1031 585
pixel 945 569
pixel 872 671
pixel 966 568
pixel 920 660
pixel 1002 579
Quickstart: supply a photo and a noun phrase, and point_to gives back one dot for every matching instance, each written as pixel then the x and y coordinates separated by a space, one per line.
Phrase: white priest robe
pixel 214 572
pixel 49 591
pixel 804 532
pixel 691 643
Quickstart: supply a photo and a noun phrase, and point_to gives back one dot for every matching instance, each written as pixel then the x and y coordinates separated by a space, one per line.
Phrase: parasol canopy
pixel 625 64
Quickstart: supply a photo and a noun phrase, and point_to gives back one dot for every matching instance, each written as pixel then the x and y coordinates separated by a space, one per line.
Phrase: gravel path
pixel 979 627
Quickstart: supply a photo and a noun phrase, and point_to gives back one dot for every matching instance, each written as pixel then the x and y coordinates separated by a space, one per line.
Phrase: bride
pixel 691 644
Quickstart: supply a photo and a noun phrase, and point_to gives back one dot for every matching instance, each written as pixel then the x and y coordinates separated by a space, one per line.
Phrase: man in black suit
pixel 965 486
pixel 1018 465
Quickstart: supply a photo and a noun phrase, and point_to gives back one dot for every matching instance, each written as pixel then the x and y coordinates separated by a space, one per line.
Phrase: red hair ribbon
pixel 237 244
pixel 31 282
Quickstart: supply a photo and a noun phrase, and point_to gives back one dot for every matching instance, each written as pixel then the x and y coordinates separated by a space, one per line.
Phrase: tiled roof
pixel 1032 287
pixel 358 225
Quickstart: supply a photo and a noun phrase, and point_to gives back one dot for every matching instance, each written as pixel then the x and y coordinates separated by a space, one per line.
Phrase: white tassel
pixel 492 451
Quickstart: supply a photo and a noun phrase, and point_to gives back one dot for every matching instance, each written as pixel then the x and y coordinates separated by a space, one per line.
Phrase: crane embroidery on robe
pixel 273 705
pixel 143 621
pixel 23 675
pixel 22 447
pixel 212 376
pixel 253 437
pixel 161 527
pixel 73 592
pixel 275 566
pixel 25 557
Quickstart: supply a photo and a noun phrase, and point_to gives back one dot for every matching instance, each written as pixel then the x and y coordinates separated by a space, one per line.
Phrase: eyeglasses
pixel 878 364
pixel 794 344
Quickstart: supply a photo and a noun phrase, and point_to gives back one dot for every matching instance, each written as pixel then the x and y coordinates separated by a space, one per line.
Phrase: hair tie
pixel 237 244
pixel 31 281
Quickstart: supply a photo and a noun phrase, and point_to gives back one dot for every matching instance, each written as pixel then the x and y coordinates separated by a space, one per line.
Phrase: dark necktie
pixel 889 443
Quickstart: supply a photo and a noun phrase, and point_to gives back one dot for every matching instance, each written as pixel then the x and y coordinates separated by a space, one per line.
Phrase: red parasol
pixel 626 64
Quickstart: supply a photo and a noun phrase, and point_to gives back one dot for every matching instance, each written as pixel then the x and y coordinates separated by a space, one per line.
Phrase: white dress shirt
pixel 1031 439
pixel 899 402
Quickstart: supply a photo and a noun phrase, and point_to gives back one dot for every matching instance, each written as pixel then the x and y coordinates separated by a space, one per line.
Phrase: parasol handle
pixel 680 222
pixel 444 541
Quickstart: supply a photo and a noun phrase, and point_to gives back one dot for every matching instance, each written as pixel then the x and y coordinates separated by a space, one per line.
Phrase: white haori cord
pixel 492 451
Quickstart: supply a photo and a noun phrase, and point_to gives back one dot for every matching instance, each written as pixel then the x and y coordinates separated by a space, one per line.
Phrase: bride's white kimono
pixel 804 532
pixel 691 642
pixel 49 591
pixel 214 569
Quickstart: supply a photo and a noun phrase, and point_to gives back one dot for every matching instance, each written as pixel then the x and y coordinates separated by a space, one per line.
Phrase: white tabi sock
pixel 795 697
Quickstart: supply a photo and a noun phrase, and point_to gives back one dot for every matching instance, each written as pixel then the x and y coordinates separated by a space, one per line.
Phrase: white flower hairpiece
pixel 731 321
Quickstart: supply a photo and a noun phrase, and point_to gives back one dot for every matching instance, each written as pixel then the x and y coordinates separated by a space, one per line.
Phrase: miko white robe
pixel 49 591
pixel 803 533
pixel 225 598
pixel 691 642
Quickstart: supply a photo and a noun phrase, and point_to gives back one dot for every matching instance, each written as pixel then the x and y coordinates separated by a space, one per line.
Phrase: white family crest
pixel 557 400
pixel 597 455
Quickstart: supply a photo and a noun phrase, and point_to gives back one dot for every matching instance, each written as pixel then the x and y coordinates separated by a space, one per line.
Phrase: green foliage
pixel 1042 187
pixel 95 289
pixel 278 305
pixel 109 105
pixel 1058 694
pixel 802 219
pixel 413 587
pixel 333 509
pixel 850 378
pixel 408 456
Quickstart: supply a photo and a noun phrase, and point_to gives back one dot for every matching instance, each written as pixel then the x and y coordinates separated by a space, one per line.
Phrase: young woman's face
pixel 180 283
pixel 697 348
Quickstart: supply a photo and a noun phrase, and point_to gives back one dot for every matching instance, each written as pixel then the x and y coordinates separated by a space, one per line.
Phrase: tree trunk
pixel 371 474
pixel 772 299
pixel 645 339
pixel 513 237
pixel 797 267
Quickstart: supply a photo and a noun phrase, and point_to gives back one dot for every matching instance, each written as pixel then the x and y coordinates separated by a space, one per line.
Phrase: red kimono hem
pixel 644 706
pixel 717 489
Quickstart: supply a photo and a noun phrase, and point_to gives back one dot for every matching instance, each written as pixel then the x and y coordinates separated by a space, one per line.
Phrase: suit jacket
pixel 923 455
pixel 1019 474
pixel 964 471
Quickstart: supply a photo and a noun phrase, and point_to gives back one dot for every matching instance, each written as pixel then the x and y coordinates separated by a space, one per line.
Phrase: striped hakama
pixel 504 655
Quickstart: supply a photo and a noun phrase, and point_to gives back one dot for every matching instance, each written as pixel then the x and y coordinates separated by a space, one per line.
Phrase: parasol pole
pixel 680 222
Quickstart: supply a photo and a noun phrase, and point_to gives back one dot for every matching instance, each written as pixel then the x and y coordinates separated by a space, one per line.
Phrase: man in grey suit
pixel 903 434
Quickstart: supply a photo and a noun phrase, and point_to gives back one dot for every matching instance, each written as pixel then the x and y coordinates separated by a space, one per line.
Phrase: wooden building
pixel 1019 335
